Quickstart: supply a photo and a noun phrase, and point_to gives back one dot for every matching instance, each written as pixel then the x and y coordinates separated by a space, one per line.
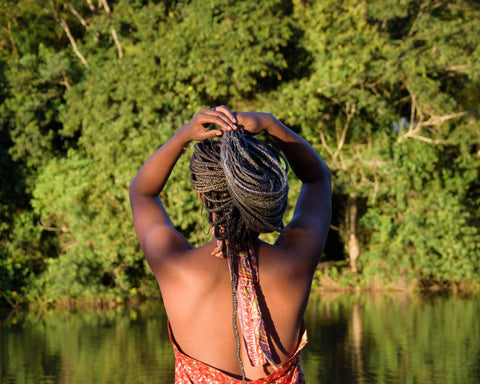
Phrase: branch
pixel 421 138
pixel 91 6
pixel 325 145
pixel 422 12
pixel 414 130
pixel 65 27
pixel 12 40
pixel 462 69
pixel 65 81
pixel 350 111
pixel 112 29
pixel 77 15
pixel 437 120
pixel 8 300
pixel 105 6
pixel 53 229
pixel 413 108
pixel 375 188
pixel 117 43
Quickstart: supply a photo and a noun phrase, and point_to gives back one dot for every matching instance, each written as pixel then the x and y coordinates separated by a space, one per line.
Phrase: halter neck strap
pixel 249 313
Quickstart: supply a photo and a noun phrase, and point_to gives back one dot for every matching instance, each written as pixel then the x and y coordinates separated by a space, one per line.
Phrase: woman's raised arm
pixel 149 215
pixel 309 227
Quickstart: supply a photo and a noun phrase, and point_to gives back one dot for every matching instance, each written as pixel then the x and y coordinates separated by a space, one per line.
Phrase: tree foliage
pixel 388 93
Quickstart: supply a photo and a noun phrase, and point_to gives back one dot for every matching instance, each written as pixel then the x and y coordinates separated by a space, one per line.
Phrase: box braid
pixel 245 189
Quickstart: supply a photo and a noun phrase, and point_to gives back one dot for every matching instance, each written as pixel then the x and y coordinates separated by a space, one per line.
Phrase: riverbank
pixel 336 277
pixel 329 278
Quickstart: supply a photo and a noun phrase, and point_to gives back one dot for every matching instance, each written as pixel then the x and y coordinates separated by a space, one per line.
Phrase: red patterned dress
pixel 191 371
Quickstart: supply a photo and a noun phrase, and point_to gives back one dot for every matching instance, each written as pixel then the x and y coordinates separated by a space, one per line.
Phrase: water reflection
pixel 393 339
pixel 352 339
pixel 86 347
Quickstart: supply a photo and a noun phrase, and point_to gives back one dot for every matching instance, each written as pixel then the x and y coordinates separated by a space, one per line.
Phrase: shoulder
pixel 284 259
pixel 163 244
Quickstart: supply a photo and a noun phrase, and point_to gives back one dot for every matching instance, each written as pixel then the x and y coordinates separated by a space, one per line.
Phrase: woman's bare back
pixel 198 303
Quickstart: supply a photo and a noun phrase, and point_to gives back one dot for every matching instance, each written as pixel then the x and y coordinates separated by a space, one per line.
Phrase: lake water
pixel 352 339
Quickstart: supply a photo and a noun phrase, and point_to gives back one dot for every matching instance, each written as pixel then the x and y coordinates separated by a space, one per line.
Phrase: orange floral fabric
pixel 191 371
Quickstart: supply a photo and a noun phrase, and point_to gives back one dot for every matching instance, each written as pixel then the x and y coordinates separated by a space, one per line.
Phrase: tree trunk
pixel 352 245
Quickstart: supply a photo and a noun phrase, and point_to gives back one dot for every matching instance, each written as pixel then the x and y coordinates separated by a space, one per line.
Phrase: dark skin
pixel 195 286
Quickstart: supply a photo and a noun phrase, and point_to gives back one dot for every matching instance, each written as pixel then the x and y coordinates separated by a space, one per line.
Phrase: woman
pixel 239 316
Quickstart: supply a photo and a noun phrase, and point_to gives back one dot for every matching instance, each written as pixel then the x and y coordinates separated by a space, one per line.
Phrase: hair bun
pixel 244 182
pixel 256 179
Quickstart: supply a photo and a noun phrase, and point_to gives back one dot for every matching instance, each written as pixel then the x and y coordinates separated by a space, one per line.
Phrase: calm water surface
pixel 352 339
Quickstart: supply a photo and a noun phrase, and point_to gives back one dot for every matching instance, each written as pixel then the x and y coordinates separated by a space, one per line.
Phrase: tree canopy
pixel 386 91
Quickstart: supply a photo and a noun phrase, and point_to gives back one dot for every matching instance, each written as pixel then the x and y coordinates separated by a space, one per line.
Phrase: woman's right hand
pixel 253 122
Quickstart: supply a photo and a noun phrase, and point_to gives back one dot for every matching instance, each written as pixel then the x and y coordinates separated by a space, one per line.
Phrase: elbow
pixel 132 190
pixel 324 166
pixel 327 174
pixel 322 174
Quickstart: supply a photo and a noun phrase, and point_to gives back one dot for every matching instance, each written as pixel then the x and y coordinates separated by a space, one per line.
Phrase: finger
pixel 226 111
pixel 210 134
pixel 208 116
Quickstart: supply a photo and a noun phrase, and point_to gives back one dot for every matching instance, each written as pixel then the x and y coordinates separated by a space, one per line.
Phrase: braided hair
pixel 245 188
pixel 243 182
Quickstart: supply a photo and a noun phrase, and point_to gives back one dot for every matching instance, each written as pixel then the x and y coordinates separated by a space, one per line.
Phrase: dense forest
pixel 387 91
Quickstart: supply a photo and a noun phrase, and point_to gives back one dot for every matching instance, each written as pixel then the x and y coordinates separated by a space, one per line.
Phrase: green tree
pixel 392 97
pixel 386 91
pixel 174 62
